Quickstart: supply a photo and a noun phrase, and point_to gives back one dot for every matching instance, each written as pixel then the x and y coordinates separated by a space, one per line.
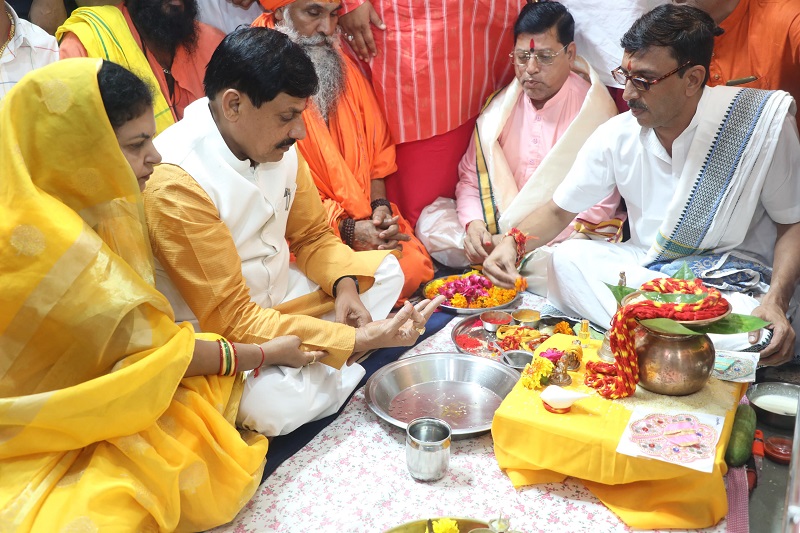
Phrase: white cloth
pixel 225 15
pixel 599 26
pixel 254 203
pixel 281 399
pixel 31 48
pixel 625 155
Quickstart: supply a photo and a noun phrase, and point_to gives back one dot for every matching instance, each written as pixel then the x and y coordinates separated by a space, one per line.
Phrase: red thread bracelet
pixel 263 356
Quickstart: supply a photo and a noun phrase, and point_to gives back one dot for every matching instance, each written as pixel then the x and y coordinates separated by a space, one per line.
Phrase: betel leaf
pixel 673 298
pixel 619 291
pixel 733 323
pixel 684 273
pixel 667 325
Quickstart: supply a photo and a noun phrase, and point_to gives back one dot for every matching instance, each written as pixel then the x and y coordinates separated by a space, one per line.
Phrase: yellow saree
pixel 98 429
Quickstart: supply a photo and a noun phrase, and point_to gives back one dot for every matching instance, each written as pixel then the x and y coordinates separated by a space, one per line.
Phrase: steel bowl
pixel 463 390
pixel 517 359
pixel 769 412
pixel 503 319
pixel 527 317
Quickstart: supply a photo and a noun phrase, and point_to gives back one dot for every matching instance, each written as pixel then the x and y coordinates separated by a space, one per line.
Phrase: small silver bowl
pixel 768 400
pixel 528 318
pixel 517 359
pixel 492 320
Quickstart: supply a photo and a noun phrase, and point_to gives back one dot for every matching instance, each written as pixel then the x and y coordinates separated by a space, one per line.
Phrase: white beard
pixel 328 64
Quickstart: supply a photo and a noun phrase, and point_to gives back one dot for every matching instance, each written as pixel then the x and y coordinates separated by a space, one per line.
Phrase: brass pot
pixel 675 365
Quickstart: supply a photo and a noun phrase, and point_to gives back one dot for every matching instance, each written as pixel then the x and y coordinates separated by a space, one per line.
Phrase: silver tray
pixel 471 325
pixel 467 311
pixel 462 389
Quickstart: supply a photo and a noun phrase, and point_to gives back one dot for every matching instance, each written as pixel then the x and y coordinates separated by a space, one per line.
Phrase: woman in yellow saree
pixel 100 430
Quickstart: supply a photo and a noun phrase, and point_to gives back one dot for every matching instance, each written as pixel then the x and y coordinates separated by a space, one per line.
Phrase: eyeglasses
pixel 641 84
pixel 522 58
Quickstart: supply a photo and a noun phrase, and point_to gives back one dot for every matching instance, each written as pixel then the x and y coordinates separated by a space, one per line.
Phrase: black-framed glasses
pixel 642 84
pixel 521 58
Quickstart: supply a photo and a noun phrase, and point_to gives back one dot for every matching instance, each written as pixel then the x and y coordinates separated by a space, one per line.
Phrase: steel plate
pixel 463 390
pixel 466 311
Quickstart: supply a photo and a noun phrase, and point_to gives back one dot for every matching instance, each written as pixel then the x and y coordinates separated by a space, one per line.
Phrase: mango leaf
pixel 667 325
pixel 733 323
pixel 684 273
pixel 673 298
pixel 619 291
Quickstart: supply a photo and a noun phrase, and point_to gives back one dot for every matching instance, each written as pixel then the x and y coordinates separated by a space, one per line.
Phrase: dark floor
pixel 768 500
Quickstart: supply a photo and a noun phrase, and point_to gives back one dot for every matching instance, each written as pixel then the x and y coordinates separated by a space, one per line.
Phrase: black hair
pixel 260 63
pixel 125 95
pixel 686 31
pixel 538 17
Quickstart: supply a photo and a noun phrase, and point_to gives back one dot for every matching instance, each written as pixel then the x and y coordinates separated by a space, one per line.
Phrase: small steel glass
pixel 428 448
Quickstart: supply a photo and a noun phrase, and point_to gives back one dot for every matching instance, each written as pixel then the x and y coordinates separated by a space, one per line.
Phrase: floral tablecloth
pixel 352 478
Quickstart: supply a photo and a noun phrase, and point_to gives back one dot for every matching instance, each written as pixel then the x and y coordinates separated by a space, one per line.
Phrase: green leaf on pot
pixel 667 325
pixel 619 291
pixel 684 273
pixel 733 323
pixel 673 298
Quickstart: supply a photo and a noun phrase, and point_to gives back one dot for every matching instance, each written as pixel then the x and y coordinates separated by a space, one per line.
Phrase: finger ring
pixel 314 360
pixel 350 37
pixel 421 330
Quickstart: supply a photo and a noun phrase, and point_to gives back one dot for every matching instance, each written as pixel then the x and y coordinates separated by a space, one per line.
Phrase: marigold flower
pixel 563 327
pixel 536 373
pixel 444 525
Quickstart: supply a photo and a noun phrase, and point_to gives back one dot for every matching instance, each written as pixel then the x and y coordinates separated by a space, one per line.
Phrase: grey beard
pixel 328 65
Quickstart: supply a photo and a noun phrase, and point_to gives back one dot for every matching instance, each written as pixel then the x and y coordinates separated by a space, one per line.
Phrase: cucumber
pixel 740 446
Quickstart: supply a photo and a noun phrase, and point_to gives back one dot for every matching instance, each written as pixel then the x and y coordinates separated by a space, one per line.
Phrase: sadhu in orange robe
pixel 345 155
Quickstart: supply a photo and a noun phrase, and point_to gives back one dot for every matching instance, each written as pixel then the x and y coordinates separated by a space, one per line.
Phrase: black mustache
pixel 634 104
pixel 286 143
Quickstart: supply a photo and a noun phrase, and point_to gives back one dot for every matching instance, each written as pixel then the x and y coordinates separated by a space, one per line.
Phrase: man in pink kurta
pixel 544 115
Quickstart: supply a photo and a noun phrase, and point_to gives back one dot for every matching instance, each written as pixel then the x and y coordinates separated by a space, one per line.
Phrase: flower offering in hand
pixel 472 290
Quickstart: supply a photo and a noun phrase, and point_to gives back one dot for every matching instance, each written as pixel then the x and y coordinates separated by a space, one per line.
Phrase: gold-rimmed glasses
pixel 521 58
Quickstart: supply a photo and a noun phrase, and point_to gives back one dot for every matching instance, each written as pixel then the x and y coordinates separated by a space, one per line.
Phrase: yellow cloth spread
pixel 104 33
pixel 535 446
pixel 98 429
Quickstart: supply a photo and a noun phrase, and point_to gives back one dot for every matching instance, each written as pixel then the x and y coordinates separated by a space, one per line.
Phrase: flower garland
pixel 472 290
pixel 620 381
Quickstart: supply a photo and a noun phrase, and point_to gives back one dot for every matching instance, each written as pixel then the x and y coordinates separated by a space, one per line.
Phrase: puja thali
pixel 469 337
pixel 464 391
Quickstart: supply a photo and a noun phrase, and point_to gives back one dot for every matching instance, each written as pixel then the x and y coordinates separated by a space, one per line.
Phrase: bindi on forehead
pixel 533 45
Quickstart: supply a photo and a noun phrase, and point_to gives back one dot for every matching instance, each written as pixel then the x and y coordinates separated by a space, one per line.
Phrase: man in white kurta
pixel 220 210
pixel 524 143
pixel 708 172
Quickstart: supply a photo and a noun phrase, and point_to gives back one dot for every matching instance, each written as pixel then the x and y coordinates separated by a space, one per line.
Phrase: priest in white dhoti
pixel 709 177
pixel 227 208
pixel 525 141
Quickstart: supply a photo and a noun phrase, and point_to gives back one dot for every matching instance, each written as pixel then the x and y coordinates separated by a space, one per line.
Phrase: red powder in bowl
pixel 497 321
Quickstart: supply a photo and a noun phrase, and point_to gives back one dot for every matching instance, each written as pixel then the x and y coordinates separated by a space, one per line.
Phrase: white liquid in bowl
pixel 775 403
